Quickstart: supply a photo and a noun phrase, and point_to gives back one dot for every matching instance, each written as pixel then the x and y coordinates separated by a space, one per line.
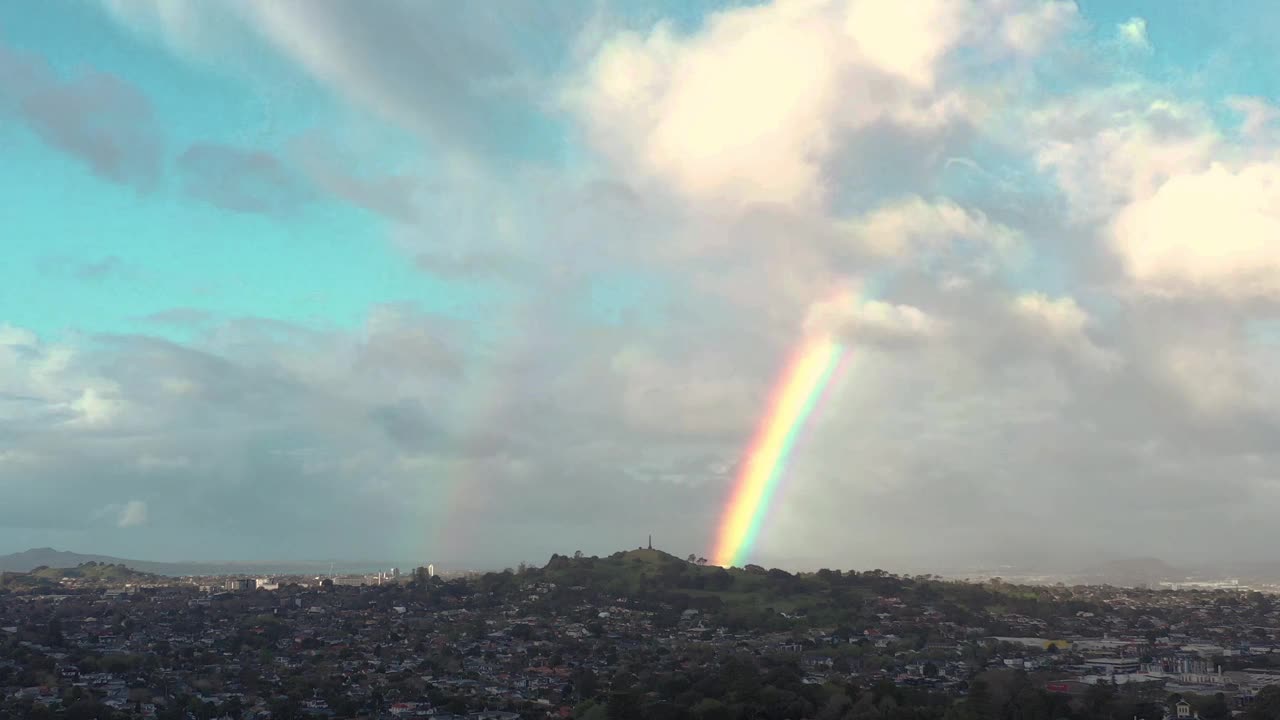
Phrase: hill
pixel 28 560
pixel 95 572
pixel 757 597
pixel 89 573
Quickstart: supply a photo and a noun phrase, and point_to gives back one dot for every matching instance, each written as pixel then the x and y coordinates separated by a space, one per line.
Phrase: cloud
pixel 116 414
pixel 95 407
pixel 908 42
pixel 1105 147
pixel 407 424
pixel 392 195
pixel 240 180
pixel 862 322
pixel 1066 324
pixel 129 514
pixel 98 118
pixel 914 226
pixel 133 514
pixel 477 80
pixel 183 28
pixel 1028 31
pixel 1134 33
pixel 691 397
pixel 398 337
pixel 1214 230
pixel 470 265
pixel 164 463
pixel 754 107
pixel 56 390
pixel 1260 116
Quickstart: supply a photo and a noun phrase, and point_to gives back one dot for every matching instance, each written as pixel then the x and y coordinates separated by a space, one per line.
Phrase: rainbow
pixel 801 386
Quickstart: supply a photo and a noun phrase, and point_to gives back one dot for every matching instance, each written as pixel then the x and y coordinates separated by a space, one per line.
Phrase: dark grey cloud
pixel 401 338
pixel 463 76
pixel 99 118
pixel 247 181
pixel 407 424
pixel 395 196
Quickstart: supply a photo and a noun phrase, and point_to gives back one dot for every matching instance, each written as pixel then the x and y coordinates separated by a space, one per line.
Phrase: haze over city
pixel 475 283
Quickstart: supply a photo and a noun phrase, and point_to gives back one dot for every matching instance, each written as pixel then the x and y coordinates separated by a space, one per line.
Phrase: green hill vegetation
pixel 88 573
pixel 756 597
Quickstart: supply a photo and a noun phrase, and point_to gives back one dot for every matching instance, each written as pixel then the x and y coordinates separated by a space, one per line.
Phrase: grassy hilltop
pixel 89 573
pixel 753 594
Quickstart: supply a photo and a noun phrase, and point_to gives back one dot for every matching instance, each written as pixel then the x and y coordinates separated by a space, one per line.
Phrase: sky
pixel 475 283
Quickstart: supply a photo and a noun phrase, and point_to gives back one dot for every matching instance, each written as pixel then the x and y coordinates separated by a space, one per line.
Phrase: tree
pixel 1216 708
pixel 88 709
pixel 692 558
pixel 1266 705
pixel 979 700
pixel 710 709
pixel 623 706
pixel 577 554
pixel 53 633
pixel 1099 696
pixel 585 683
pixel 837 706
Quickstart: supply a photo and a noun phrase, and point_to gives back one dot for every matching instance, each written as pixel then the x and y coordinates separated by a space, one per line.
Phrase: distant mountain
pixel 48 557
pixel 89 573
pixel 28 560
pixel 1130 572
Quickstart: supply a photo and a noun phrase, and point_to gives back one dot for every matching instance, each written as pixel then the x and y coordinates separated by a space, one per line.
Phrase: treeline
pixel 745 687
pixel 824 598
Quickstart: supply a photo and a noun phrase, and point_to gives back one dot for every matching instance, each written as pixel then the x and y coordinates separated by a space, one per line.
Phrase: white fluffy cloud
pixel 871 321
pixel 49 382
pixel 752 108
pixel 133 514
pixel 915 226
pixel 1217 230
pixel 1066 324
pixel 130 514
pixel 1107 147
pixel 1134 32
pixel 1259 117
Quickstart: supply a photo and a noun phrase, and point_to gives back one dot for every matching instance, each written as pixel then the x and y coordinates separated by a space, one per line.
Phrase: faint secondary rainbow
pixel 797 393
